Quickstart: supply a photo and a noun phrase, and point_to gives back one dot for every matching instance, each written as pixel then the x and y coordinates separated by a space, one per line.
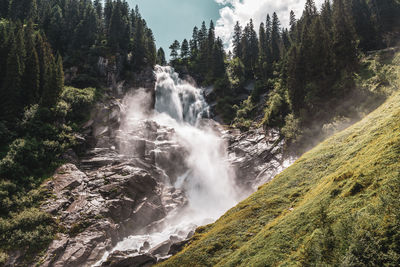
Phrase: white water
pixel 209 183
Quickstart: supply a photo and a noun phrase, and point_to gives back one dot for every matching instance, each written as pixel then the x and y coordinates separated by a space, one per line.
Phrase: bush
pixel 292 129
pixel 75 103
pixel 30 229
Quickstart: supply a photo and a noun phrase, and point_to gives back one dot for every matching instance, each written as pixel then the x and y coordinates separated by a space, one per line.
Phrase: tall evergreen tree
pixel 237 40
pixel 11 91
pixel 175 47
pixel 194 43
pixel 161 57
pixel 364 26
pixel 344 45
pixel 275 38
pixel 31 76
pixel 185 49
pixel 262 47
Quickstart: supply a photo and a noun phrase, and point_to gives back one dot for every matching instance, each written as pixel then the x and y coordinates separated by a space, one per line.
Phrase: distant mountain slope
pixel 337 205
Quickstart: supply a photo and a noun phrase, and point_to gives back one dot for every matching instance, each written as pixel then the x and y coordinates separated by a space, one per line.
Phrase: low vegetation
pixel 337 205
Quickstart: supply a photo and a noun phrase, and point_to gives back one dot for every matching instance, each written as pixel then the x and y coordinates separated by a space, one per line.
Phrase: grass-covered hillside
pixel 337 205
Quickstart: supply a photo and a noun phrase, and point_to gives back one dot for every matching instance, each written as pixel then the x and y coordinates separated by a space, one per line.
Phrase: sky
pixel 174 19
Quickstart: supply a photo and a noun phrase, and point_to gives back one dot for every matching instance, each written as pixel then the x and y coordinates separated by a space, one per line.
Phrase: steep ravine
pixel 150 177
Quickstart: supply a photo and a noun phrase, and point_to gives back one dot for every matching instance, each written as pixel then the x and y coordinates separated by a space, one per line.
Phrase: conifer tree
pixel 211 36
pixel 161 57
pixel 139 47
pixel 11 91
pixel 31 76
pixel 185 49
pixel 326 16
pixel 175 47
pixel 151 49
pixel 202 35
pixel 293 26
pixel 108 9
pixel 275 38
pixel 194 43
pixel 262 47
pixel 344 46
pixel 237 41
pixel 366 30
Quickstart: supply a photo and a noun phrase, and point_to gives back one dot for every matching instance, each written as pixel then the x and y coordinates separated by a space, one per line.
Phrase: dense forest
pixel 41 43
pixel 301 74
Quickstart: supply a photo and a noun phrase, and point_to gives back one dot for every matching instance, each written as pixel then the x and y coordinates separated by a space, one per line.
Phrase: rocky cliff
pixel 123 183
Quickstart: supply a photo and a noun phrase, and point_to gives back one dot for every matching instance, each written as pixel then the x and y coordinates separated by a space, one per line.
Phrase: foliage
pixel 337 205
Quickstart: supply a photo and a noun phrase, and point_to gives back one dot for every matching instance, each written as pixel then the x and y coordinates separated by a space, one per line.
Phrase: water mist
pixel 208 182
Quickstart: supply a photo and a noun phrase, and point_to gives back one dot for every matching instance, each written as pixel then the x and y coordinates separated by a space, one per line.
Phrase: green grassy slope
pixel 339 204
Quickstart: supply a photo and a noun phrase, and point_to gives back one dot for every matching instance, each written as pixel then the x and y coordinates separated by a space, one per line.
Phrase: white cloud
pixel 243 10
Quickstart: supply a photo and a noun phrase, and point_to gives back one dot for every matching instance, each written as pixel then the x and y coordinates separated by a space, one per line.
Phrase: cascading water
pixel 208 181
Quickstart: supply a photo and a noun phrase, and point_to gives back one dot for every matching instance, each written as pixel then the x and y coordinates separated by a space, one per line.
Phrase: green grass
pixel 337 205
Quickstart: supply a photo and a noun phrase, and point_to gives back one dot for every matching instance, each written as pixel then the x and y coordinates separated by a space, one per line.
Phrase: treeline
pixel 302 71
pixel 203 56
pixel 30 73
pixel 82 31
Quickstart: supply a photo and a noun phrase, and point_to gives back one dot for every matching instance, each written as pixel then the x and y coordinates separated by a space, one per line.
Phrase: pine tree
pixel 31 76
pixel 344 45
pixel 211 36
pixel 22 10
pixel 55 82
pixel 139 46
pixel 268 32
pixel 366 30
pixel 326 16
pixel 202 35
pixel 185 49
pixel 310 9
pixel 293 26
pixel 161 57
pixel 174 49
pixel 262 47
pixel 194 43
pixel 151 50
pixel 253 45
pixel 218 56
pixel 45 65
pixel 275 38
pixel 85 34
pixel 11 91
pixel 237 41
pixel 108 9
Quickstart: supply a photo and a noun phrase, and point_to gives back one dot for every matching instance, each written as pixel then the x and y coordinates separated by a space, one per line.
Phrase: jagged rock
pixel 256 157
pixel 161 249
pixel 123 260
pixel 178 247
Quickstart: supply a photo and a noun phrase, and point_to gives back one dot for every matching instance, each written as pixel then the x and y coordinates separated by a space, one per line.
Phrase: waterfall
pixel 177 98
pixel 208 183
pixel 207 180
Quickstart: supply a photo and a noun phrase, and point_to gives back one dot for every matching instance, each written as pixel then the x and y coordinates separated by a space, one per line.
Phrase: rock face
pixel 113 193
pixel 122 185
pixel 256 155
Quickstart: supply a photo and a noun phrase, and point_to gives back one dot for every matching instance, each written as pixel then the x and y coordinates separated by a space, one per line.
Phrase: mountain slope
pixel 338 204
